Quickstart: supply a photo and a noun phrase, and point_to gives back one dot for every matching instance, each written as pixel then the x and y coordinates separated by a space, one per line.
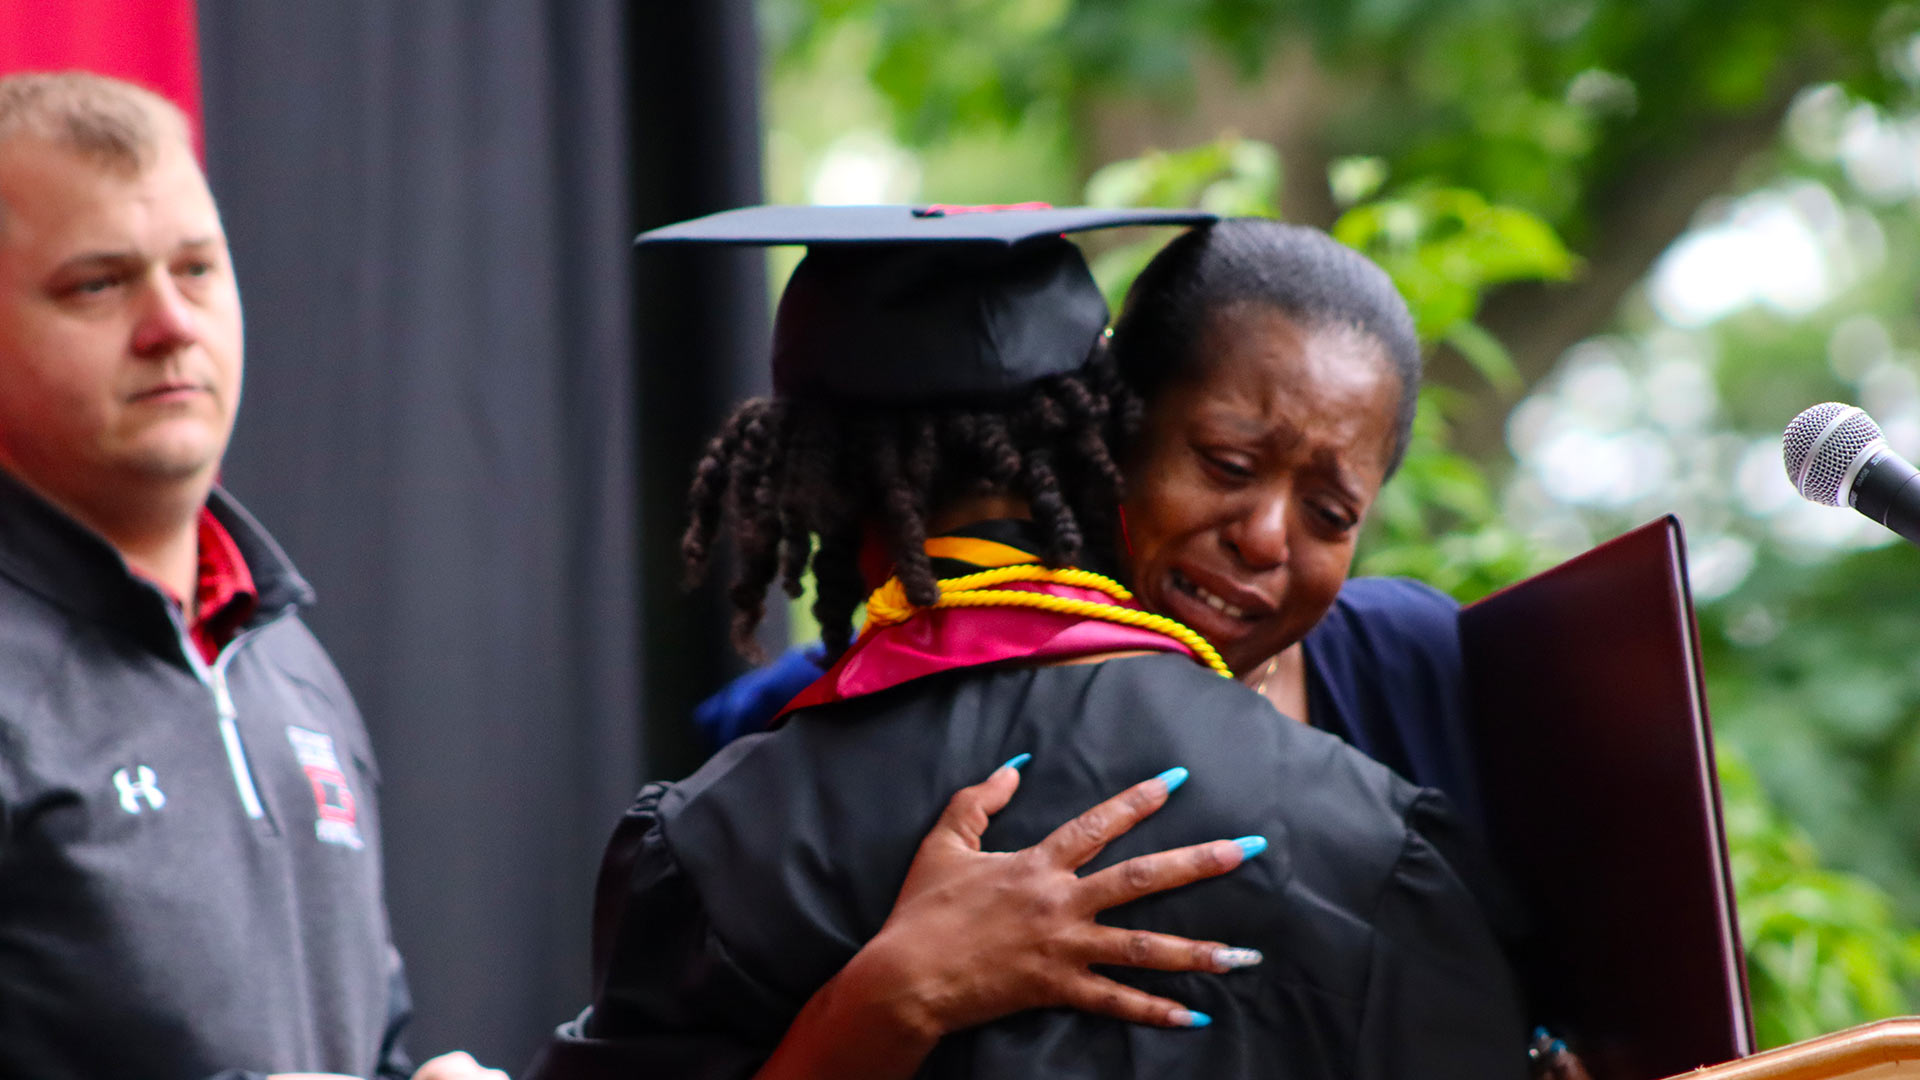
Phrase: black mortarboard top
pixel 906 304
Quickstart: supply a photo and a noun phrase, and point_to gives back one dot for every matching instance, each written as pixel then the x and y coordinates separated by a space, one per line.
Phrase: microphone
pixel 1836 456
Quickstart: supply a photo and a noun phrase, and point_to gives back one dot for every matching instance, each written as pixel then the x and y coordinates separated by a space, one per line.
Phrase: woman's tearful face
pixel 1252 478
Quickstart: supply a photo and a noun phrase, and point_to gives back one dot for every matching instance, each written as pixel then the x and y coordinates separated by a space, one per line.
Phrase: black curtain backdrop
pixel 469 416
pixel 701 324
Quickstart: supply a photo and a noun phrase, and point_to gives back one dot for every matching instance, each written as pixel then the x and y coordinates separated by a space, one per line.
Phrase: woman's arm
pixel 977 935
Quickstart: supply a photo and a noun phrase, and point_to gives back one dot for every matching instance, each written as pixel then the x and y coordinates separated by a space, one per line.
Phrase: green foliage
pixel 1352 179
pixel 1228 176
pixel 1445 247
pixel 1825 950
pixel 1540 105
pixel 1820 689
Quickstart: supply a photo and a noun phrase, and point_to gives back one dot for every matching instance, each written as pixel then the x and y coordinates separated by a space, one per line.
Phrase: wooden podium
pixel 1879 1051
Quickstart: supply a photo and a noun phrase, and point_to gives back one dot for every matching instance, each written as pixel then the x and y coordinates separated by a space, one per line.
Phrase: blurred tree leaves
pixel 1229 176
pixel 1524 101
pixel 1824 949
pixel 1444 247
pixel 1820 686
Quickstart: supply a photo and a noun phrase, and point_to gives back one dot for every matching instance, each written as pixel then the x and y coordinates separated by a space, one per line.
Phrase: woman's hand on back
pixel 977 935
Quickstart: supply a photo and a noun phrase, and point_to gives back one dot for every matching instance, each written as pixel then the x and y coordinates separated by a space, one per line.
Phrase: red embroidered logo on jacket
pixel 334 820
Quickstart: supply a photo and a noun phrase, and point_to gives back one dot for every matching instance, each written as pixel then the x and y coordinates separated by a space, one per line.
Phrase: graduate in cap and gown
pixel 941 448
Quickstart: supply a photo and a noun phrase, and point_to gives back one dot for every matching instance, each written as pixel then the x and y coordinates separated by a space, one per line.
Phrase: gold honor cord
pixel 889 604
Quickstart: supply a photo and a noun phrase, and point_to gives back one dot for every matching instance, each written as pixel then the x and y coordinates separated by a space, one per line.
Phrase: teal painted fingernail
pixel 1173 778
pixel 1016 761
pixel 1190 1018
pixel 1251 846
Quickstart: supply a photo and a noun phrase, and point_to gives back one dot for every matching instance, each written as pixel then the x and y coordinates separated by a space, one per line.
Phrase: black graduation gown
pixel 728 898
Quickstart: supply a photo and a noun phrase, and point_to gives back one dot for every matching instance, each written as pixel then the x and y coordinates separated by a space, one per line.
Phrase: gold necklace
pixel 1267 671
pixel 1266 674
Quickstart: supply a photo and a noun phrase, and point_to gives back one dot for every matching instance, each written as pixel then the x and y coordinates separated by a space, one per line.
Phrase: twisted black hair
pixel 1299 271
pixel 787 472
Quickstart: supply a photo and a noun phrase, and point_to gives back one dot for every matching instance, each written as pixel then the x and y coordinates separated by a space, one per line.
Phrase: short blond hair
pixel 106 119
pixel 110 122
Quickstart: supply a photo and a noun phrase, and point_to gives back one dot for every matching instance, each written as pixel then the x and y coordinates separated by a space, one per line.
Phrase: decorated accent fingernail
pixel 1233 959
pixel 1173 778
pixel 1251 846
pixel 1189 1018
pixel 1016 761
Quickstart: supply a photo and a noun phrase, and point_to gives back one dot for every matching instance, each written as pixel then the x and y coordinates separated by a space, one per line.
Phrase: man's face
pixel 119 325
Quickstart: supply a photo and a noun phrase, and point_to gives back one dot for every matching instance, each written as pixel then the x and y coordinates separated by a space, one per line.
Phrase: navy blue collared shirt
pixel 1384 673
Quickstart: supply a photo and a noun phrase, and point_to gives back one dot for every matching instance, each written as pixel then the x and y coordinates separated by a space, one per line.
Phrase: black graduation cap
pixel 906 304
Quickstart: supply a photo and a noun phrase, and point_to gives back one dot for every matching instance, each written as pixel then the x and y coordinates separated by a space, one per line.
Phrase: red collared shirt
pixel 224 596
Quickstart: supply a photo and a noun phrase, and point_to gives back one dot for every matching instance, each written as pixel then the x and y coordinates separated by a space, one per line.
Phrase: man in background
pixel 190 863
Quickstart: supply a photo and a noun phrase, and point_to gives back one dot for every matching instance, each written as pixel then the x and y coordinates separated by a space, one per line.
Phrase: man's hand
pixel 458 1065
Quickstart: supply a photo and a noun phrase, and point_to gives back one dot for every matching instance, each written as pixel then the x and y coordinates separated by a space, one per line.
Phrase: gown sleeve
pixel 1438 1000
pixel 669 999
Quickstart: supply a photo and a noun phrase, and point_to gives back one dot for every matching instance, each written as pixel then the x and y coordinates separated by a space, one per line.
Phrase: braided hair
pixel 802 481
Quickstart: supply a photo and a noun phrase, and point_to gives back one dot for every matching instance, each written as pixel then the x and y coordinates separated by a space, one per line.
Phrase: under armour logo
pixel 142 784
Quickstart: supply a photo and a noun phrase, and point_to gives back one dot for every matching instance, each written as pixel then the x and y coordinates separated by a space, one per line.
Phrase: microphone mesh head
pixel 1820 446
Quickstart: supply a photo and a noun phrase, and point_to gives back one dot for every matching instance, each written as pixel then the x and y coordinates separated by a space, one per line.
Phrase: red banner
pixel 151 42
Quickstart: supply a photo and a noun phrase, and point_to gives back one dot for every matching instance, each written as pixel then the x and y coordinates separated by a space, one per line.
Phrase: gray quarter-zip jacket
pixel 190 865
